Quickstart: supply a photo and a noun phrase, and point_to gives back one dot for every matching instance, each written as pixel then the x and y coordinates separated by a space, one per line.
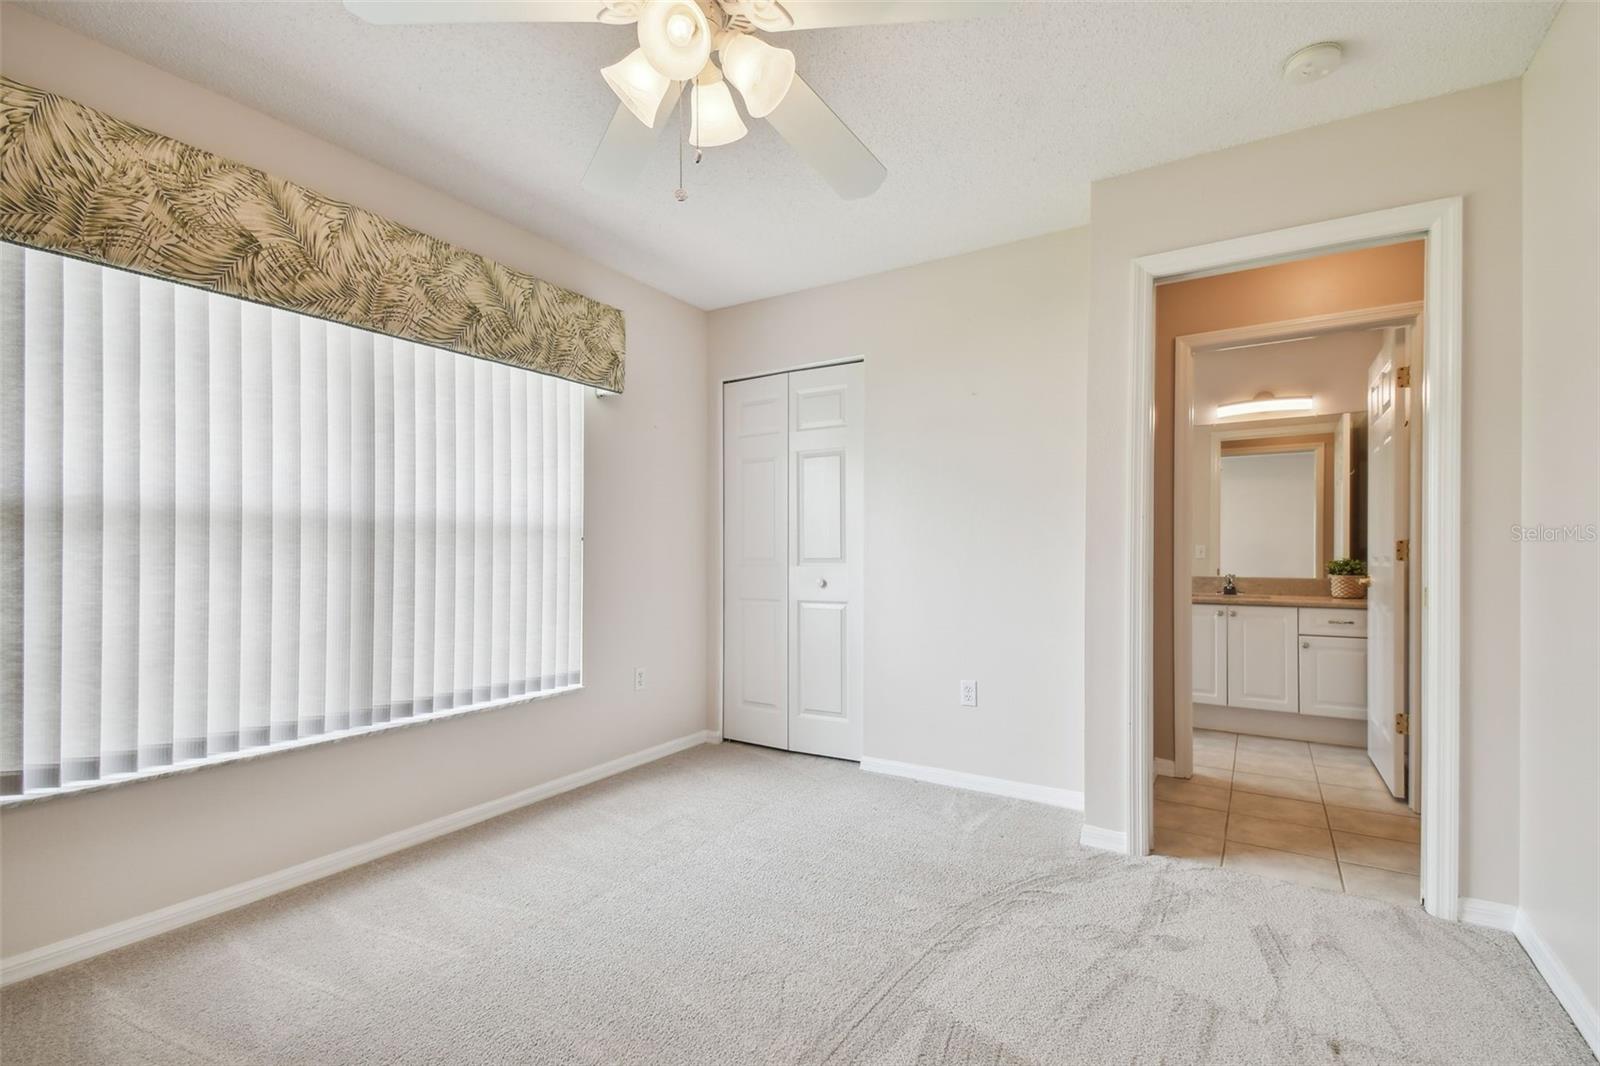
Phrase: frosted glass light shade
pixel 713 118
pixel 1267 405
pixel 640 86
pixel 760 72
pixel 675 37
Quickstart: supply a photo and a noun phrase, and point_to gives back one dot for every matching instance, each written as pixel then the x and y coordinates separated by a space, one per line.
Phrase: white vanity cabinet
pixel 1294 660
pixel 1262 660
pixel 1208 661
pixel 1333 662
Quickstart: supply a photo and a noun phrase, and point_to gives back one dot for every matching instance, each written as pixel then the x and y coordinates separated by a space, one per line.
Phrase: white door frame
pixel 1439 221
pixel 721 498
pixel 1185 348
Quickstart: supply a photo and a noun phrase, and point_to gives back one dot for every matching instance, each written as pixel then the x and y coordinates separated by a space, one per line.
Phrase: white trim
pixel 120 934
pixel 1568 992
pixel 1104 839
pixel 1489 914
pixel 1508 919
pixel 1440 222
pixel 1166 768
pixel 994 786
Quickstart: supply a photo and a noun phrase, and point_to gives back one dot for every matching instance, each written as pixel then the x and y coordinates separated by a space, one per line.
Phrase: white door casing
pixel 1388 516
pixel 825 523
pixel 1208 635
pixel 1438 396
pixel 755 457
pixel 1263 652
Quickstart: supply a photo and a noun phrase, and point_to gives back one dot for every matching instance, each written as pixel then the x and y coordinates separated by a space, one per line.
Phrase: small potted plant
pixel 1347 578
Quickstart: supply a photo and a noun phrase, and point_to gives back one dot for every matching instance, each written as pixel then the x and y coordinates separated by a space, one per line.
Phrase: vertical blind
pixel 227 527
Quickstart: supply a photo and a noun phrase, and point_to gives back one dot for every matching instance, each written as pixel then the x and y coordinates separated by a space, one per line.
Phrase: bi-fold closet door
pixel 792 541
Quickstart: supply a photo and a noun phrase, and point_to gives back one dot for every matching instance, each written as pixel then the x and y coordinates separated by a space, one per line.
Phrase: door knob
pixel 822 582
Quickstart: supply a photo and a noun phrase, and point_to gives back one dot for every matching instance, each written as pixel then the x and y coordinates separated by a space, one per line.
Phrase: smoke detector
pixel 1313 63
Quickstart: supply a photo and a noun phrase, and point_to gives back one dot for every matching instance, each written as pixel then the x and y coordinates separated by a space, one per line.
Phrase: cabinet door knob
pixel 1219 612
pixel 1305 644
pixel 822 582
pixel 1233 614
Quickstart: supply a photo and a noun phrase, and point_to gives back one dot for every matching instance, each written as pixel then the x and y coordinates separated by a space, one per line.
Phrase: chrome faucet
pixel 1228 587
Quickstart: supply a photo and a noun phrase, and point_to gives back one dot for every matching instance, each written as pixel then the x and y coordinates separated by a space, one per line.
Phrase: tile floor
pixel 1312 813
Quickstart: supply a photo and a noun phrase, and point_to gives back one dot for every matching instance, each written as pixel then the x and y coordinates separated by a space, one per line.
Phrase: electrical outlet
pixel 1199 551
pixel 638 678
pixel 969 693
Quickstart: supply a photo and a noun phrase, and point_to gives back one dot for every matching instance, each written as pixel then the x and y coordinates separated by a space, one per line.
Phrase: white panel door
pixel 1263 658
pixel 1333 676
pixel 1208 662
pixel 1388 515
pixel 755 537
pixel 826 407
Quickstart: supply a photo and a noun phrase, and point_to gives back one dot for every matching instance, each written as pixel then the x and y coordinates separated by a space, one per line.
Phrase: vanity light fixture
pixel 1264 403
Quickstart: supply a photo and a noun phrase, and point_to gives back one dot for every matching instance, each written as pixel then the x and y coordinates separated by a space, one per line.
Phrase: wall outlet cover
pixel 638 678
pixel 969 693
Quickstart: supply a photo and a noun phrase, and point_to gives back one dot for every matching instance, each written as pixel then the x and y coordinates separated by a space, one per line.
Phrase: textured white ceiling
pixel 991 128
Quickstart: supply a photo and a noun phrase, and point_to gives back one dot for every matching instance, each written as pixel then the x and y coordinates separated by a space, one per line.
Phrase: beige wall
pixel 1464 144
pixel 1560 861
pixel 1332 369
pixel 75 863
pixel 974 466
pixel 1343 281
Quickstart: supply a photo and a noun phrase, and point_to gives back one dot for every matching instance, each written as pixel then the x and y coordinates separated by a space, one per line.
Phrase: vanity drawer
pixel 1332 622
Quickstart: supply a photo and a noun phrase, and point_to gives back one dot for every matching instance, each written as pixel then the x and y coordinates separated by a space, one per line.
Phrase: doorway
pixel 793 496
pixel 1438 225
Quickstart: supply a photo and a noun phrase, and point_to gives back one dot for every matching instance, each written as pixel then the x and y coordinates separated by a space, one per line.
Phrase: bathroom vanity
pixel 1291 654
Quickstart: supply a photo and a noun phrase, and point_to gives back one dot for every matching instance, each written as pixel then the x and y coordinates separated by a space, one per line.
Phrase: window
pixel 226 528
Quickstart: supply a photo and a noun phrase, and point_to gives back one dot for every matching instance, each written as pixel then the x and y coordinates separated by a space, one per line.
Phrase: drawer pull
pixel 1341 622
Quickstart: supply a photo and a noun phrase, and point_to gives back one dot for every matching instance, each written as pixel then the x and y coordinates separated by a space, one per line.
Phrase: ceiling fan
pixel 677 39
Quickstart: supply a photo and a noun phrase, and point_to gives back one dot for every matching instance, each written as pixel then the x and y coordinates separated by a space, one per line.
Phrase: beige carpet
pixel 736 905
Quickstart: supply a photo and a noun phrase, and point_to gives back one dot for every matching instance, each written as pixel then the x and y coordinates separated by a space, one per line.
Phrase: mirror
pixel 1274 519
pixel 1275 498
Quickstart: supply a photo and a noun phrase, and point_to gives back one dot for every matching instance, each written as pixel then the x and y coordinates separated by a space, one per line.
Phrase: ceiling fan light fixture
pixel 675 37
pixel 760 72
pixel 638 84
pixel 713 119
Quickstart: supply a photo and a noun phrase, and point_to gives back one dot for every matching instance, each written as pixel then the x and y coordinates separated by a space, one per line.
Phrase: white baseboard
pixel 1584 1014
pixel 1487 913
pixel 1509 919
pixel 995 786
pixel 1104 839
pixel 120 934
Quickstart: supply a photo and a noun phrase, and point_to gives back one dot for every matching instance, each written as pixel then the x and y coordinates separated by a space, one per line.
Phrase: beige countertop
pixel 1245 599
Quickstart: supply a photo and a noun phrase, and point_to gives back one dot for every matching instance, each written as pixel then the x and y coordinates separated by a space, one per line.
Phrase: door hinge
pixel 1400 551
pixel 1402 724
pixel 1402 377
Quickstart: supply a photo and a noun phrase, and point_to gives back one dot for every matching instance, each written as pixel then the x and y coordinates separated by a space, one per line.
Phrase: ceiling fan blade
pixel 428 12
pixel 821 139
pixel 626 146
pixel 820 14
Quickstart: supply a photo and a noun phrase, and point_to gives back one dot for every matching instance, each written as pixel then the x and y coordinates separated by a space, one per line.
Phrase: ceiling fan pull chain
pixel 681 194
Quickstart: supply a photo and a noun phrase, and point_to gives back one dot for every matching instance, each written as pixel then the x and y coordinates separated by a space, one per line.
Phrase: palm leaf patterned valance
pixel 77 181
